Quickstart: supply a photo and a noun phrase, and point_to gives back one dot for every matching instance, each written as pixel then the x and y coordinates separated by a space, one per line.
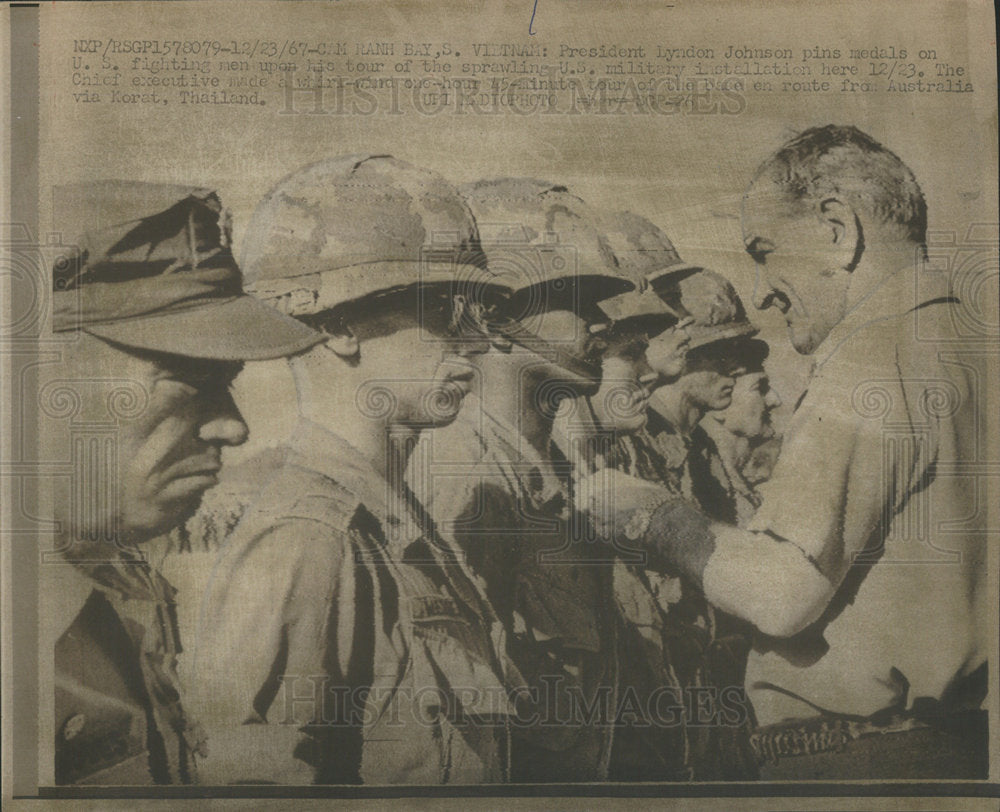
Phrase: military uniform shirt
pixel 508 508
pixel 120 717
pixel 337 645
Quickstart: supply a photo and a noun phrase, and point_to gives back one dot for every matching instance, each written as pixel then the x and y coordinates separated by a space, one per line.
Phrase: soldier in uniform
pixel 342 641
pixel 649 740
pixel 496 483
pixel 738 430
pixel 673 448
pixel 157 326
pixel 701 659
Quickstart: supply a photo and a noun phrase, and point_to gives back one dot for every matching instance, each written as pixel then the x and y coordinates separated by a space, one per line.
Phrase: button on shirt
pixel 873 485
pixel 118 704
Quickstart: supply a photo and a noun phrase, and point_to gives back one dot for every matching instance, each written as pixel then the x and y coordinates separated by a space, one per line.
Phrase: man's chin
pixel 802 339
pixel 170 514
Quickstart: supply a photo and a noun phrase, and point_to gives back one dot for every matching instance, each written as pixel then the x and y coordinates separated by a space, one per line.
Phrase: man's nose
pixel 773 399
pixel 763 293
pixel 224 424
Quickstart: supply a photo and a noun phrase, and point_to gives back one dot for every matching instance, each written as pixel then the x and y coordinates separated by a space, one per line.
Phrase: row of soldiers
pixel 422 542
pixel 455 575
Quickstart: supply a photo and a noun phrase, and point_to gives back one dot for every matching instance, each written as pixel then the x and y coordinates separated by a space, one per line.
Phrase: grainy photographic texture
pixel 515 403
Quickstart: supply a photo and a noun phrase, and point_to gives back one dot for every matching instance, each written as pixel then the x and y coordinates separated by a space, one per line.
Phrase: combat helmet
pixel 542 242
pixel 646 256
pixel 712 303
pixel 352 226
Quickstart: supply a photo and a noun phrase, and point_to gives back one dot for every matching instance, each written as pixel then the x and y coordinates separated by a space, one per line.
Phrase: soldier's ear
pixel 847 235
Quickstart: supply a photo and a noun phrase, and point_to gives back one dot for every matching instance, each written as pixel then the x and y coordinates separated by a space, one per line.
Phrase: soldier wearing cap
pixel 156 326
pixel 648 742
pixel 342 640
pixel 498 485
pixel 646 256
pixel 674 448
pixel 671 638
pixel 739 430
pixel 642 348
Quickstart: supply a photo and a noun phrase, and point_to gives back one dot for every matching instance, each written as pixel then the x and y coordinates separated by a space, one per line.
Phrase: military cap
pixel 352 226
pixel 644 255
pixel 711 301
pixel 543 242
pixel 152 269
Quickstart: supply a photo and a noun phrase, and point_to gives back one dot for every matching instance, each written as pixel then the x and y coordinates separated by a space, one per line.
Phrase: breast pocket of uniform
pixel 457 691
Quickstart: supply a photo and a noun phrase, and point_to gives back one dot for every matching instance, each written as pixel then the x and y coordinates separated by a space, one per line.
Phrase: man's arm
pixel 765 580
pixel 823 505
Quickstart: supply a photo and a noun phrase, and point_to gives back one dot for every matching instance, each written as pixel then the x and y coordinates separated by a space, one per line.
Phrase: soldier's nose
pixel 224 425
pixel 225 431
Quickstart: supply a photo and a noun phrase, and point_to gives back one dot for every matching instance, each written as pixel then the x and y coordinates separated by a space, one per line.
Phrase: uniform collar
pixel 498 434
pixel 317 449
pixel 65 590
pixel 126 577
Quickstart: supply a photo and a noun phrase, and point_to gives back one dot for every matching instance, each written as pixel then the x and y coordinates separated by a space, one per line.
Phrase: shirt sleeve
pixel 850 456
pixel 271 640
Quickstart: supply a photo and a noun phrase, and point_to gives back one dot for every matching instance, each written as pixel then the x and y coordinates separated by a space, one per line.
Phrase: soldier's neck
pixel 733 449
pixel 331 395
pixel 673 404
pixel 510 396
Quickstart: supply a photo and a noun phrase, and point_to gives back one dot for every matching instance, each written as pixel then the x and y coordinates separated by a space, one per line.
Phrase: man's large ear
pixel 846 232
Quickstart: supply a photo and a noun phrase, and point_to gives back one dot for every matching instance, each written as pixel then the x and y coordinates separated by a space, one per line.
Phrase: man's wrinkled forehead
pixel 765 204
pixel 200 372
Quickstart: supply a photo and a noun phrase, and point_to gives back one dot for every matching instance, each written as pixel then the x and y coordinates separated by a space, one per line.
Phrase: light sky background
pixel 684 172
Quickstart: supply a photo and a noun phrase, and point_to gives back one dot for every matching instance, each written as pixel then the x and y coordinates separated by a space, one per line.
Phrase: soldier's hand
pixel 619 504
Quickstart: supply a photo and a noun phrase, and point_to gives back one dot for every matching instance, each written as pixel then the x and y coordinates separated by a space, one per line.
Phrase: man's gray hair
pixel 843 161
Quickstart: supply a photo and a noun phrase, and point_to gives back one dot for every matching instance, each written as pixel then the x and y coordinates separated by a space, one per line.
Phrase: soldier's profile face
pixel 621 402
pixel 422 359
pixel 667 351
pixel 753 401
pixel 170 453
pixel 711 376
pixel 709 389
pixel 797 266
pixel 575 336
